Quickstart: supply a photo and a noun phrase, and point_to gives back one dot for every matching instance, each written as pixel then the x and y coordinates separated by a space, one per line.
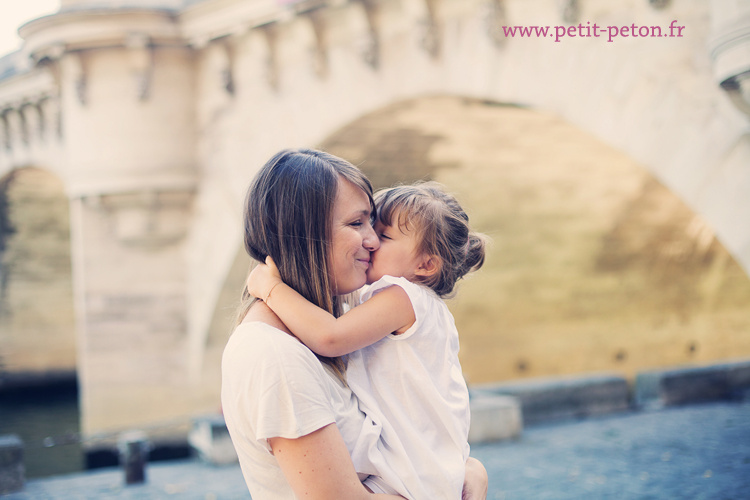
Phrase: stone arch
pixel 37 323
pixel 645 98
pixel 596 265
pixel 648 100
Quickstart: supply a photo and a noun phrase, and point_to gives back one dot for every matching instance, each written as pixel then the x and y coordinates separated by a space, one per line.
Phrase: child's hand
pixel 262 279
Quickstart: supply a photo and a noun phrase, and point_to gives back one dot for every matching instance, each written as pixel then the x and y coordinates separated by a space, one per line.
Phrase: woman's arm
pixel 475 481
pixel 386 312
pixel 318 467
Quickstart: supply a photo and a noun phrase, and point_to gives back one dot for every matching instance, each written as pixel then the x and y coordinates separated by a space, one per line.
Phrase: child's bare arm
pixel 386 312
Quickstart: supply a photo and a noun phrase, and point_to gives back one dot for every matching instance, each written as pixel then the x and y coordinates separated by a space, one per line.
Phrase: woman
pixel 292 419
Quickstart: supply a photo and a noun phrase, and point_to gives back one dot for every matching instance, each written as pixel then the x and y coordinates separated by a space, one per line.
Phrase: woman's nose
pixel 371 241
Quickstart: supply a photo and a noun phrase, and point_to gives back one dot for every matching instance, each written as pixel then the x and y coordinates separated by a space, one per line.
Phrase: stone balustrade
pixel 30 124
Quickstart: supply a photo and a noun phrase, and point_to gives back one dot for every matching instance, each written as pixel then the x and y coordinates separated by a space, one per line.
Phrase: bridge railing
pixel 30 120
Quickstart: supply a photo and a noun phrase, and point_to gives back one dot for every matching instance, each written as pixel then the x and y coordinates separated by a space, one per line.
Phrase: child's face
pixel 397 255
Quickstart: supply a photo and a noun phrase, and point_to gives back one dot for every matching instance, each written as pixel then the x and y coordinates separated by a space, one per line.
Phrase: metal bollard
pixel 133 447
pixel 11 464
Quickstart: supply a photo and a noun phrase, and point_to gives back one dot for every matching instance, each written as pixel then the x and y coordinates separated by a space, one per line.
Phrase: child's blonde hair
pixel 442 229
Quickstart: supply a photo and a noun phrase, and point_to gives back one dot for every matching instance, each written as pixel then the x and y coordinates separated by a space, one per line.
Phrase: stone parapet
pixel 494 418
pixel 547 399
pixel 657 389
pixel 210 438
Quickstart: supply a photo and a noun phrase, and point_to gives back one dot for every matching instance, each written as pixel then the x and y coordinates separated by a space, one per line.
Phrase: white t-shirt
pixel 274 386
pixel 412 385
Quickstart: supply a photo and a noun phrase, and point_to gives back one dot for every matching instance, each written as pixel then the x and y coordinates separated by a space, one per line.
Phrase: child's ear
pixel 429 265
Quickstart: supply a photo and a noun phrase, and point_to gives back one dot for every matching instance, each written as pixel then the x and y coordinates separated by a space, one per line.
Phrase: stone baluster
pixel 141 62
pixel 33 124
pixel 50 114
pixel 14 127
pixel 5 141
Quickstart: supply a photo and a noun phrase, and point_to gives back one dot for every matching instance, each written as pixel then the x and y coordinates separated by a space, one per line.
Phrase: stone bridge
pixel 153 115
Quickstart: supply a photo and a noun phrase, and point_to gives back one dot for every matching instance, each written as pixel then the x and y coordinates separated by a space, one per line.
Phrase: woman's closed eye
pixel 360 224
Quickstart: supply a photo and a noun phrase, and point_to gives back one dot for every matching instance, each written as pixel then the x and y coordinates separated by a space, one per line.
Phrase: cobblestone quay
pixel 692 453
pixel 698 452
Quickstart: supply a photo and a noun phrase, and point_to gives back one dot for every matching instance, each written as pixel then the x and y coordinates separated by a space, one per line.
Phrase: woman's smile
pixel 353 238
pixel 364 261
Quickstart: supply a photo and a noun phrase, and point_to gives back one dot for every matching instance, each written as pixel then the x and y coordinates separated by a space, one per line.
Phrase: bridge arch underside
pixel 653 98
pixel 37 323
pixel 595 264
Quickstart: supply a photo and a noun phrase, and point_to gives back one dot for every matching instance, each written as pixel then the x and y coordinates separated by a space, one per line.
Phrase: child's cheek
pixel 368 275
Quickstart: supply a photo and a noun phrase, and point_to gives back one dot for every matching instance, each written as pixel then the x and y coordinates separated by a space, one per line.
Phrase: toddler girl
pixel 404 365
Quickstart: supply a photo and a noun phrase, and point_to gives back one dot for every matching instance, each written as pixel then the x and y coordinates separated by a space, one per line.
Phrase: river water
pixel 38 414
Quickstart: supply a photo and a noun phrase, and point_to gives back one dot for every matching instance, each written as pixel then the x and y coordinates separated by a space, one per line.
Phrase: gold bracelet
pixel 271 290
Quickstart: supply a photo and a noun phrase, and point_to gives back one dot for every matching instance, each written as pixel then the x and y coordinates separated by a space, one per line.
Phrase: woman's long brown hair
pixel 288 215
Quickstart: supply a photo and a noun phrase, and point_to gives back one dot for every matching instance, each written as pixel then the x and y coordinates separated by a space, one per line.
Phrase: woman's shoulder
pixel 259 344
pixel 258 332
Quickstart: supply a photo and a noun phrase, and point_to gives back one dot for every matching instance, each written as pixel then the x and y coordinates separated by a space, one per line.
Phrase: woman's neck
pixel 262 313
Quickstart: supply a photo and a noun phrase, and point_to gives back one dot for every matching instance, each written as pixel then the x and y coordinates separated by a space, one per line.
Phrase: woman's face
pixel 353 238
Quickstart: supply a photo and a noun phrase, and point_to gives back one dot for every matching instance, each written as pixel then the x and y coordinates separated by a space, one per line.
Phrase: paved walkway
pixel 695 452
pixel 692 453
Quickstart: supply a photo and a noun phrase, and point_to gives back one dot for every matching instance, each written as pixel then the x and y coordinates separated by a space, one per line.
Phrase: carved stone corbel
pixel 50 109
pixel 496 18
pixel 430 39
pixel 227 56
pixel 75 67
pixel 370 47
pixel 570 10
pixel 50 60
pixel 140 51
pixel 271 35
pixel 737 89
pixel 659 4
pixel 729 49
pixel 319 51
